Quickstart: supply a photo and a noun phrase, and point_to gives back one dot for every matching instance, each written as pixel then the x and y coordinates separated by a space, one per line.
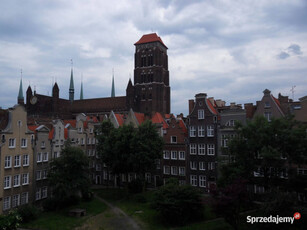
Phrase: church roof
pixel 158 119
pixel 147 38
pixel 99 105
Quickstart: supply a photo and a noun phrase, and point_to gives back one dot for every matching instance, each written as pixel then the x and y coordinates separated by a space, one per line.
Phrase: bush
pixel 28 212
pixel 11 221
pixel 178 204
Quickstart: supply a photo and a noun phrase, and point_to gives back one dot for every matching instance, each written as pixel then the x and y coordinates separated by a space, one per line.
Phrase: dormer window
pixel 267 104
pixel 173 139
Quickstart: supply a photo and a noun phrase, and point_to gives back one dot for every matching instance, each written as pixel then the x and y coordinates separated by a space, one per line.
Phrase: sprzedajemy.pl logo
pixel 273 219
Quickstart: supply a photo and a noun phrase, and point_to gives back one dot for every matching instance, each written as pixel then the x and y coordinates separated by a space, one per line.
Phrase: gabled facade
pixel 202 142
pixel 16 163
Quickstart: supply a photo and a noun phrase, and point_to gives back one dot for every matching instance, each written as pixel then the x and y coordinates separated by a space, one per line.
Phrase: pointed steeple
pixel 113 87
pixel 20 98
pixel 81 91
pixel 71 86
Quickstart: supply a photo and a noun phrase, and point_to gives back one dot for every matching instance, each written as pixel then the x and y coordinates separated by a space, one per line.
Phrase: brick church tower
pixel 151 90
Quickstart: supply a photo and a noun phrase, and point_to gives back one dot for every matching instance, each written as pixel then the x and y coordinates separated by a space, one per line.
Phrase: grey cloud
pixel 283 55
pixel 295 49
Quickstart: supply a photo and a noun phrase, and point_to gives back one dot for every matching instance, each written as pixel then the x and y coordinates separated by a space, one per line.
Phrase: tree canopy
pixel 69 174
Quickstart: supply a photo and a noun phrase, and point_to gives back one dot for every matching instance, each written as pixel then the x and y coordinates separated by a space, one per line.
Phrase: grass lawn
pixel 139 207
pixel 60 219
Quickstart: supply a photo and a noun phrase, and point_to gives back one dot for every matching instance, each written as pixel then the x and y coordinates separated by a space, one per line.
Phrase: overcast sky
pixel 231 50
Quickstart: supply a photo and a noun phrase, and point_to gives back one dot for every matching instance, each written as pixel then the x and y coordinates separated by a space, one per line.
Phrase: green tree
pixel 273 147
pixel 69 175
pixel 178 205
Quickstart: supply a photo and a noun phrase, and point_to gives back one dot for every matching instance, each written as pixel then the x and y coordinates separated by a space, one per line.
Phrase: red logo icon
pixel 297 215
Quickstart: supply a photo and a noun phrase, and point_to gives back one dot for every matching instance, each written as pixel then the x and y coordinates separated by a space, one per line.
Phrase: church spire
pixel 20 98
pixel 81 91
pixel 113 87
pixel 71 86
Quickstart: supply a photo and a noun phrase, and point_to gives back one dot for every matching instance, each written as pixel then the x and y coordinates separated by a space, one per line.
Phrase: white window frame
pixel 43 145
pixel 193 149
pixel 25 160
pixel 25 179
pixel 174 170
pixel 12 143
pixel 192 131
pixel 181 171
pixel 210 149
pixel 201 131
pixel 45 156
pixel 166 170
pixel 6 203
pixel 24 143
pixel 24 198
pixel 7 182
pixel 17 162
pixel 193 165
pixel 174 139
pixel 38 174
pixel 166 154
pixel 44 174
pixel 39 157
pixel 16 200
pixel 210 131
pixel 201 149
pixel 211 165
pixel 16 180
pixel 174 155
pixel 8 162
pixel 181 155
pixel 44 192
pixel 202 166
pixel 193 180
pixel 201 114
pixel 202 181
pixel 38 194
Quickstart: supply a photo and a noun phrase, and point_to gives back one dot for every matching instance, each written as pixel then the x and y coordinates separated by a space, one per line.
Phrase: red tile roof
pixel 147 38
pixel 51 133
pixel 140 117
pixel 211 107
pixel 158 119
pixel 91 118
pixel 32 127
pixel 183 127
pixel 65 133
pixel 119 118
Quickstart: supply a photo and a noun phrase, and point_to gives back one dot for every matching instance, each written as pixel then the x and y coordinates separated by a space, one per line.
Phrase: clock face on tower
pixel 33 100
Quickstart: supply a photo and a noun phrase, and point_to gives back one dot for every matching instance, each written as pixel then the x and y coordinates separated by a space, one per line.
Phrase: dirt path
pixel 112 219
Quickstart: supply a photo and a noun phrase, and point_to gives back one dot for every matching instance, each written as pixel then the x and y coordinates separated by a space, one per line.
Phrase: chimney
pixel 191 105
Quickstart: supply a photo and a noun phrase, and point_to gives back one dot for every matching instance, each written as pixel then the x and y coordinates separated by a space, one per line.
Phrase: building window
pixel 193 165
pixel 202 166
pixel 267 104
pixel 182 171
pixel 39 157
pixel 55 154
pixel 173 139
pixel 193 180
pixel 210 131
pixel 201 114
pixel 210 149
pixel 44 192
pixel 202 181
pixel 45 156
pixel 62 142
pixel 56 142
pixel 25 160
pixel 17 161
pixel 174 170
pixel 16 181
pixel 23 143
pixel 165 154
pixel 201 149
pixel 45 174
pixel 201 131
pixel 43 145
pixel 16 200
pixel 38 194
pixel 230 123
pixel 24 198
pixel 25 178
pixel 174 155
pixel 12 143
pixel 193 149
pixel 7 182
pixel 38 175
pixel 98 167
pixel 6 203
pixel 268 116
pixel 166 169
pixel 157 162
pixel 82 141
pixel 181 155
pixel 224 141
pixel 192 131
pixel 148 177
pixel 211 165
pixel 7 162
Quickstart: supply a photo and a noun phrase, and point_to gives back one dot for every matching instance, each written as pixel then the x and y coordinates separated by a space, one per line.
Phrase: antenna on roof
pixel 292 90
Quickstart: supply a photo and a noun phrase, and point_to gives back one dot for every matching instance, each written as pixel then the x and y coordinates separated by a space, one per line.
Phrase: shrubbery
pixel 178 205
pixel 28 212
pixel 11 221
